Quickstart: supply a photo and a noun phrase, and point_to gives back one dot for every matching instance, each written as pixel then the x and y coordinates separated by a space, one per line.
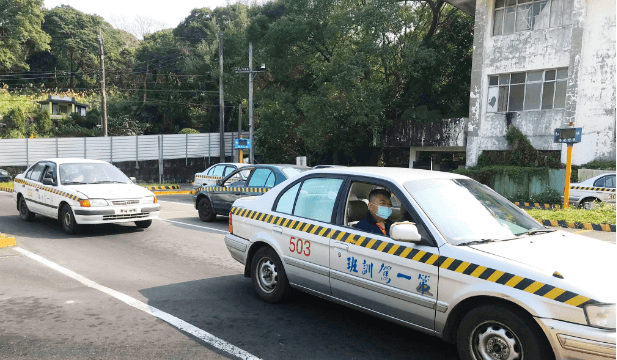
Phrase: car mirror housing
pixel 405 231
pixel 133 179
pixel 49 181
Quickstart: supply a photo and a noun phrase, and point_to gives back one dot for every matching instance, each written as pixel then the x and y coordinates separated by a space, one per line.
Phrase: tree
pixel 20 33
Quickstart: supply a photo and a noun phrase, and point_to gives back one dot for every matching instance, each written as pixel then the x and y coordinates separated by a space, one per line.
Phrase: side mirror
pixel 405 231
pixel 49 181
pixel 133 180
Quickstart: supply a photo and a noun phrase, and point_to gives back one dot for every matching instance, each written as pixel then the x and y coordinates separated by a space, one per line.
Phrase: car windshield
pixel 466 211
pixel 91 173
pixel 293 171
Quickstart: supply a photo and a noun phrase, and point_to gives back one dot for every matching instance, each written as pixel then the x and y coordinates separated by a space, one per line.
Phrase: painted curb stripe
pixel 221 189
pixel 474 270
pixel 578 225
pixel 172 192
pixel 171 187
pixel 592 188
pixel 49 189
pixel 6 241
pixel 528 205
pixel 7 189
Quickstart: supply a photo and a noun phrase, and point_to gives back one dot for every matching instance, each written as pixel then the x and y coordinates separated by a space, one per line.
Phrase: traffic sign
pixel 242 143
pixel 568 135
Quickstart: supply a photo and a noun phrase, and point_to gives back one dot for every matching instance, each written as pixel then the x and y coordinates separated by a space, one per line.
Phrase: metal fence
pixel 23 152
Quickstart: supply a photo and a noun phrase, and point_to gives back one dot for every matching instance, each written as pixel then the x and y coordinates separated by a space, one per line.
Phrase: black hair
pixel 385 193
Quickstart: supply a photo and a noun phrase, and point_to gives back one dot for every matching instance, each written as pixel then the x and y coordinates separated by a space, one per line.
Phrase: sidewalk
pixel 600 235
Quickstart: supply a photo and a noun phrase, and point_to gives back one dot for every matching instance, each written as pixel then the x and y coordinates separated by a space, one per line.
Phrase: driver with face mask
pixel 379 210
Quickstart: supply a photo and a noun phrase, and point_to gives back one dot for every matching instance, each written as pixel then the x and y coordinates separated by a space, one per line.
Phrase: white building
pixel 541 65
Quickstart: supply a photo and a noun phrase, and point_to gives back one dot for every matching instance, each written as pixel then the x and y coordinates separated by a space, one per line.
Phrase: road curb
pixel 7 189
pixel 6 241
pixel 530 205
pixel 578 225
pixel 170 187
pixel 177 192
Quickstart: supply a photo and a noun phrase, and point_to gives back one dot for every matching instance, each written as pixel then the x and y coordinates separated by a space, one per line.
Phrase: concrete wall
pixel 526 186
pixel 586 47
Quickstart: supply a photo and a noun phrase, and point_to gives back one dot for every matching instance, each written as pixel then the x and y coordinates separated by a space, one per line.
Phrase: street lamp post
pixel 252 74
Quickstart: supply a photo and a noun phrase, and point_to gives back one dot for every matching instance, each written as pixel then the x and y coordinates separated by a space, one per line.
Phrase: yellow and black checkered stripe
pixel 217 189
pixel 592 188
pixel 212 177
pixel 444 262
pixel 528 205
pixel 170 187
pixel 47 188
pixel 578 225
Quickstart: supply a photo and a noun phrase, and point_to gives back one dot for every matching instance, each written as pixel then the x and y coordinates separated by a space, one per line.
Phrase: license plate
pixel 128 211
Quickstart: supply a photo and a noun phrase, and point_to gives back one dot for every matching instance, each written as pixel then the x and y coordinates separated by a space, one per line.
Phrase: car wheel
pixel 491 332
pixel 589 203
pixel 69 225
pixel 268 276
pixel 144 224
pixel 24 213
pixel 205 210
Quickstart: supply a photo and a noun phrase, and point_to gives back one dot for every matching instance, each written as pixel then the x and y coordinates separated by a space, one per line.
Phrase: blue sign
pixel 568 135
pixel 242 143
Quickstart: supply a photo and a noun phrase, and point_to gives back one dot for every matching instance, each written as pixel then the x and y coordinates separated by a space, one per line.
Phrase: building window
pixel 63 109
pixel 531 90
pixel 520 15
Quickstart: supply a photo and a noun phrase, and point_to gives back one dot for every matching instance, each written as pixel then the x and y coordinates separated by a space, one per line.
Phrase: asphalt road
pixel 179 266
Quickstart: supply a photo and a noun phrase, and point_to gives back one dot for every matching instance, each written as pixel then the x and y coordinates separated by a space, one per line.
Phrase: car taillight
pixel 231 226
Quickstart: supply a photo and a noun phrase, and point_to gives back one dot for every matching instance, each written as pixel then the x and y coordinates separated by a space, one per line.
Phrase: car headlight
pixel 149 200
pixel 98 202
pixel 601 315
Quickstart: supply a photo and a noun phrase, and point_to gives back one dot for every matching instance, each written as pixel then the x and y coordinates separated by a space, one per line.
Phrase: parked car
pixel 249 180
pixel 597 188
pixel 81 191
pixel 454 259
pixel 4 176
pixel 216 172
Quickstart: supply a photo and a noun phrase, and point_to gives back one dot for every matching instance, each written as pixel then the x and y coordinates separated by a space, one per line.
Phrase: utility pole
pixel 252 74
pixel 240 154
pixel 221 101
pixel 103 95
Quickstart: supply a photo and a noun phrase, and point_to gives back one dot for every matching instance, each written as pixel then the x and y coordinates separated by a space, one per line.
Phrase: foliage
pixel 20 33
pixel 188 131
pixel 602 213
pixel 45 126
pixel 15 121
pixel 600 165
pixel 124 125
pixel 551 196
pixel 484 174
pixel 8 184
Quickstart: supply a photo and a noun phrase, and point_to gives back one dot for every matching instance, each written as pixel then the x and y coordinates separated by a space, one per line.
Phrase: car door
pixel 391 277
pixel 306 212
pixel 230 190
pixel 33 193
pixel 606 185
pixel 48 195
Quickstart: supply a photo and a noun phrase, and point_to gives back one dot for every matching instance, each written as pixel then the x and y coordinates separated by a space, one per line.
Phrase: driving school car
pixel 216 172
pixel 81 191
pixel 460 262
pixel 597 188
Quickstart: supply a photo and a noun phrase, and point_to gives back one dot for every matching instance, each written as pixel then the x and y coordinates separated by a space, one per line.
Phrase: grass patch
pixel 601 214
pixel 7 184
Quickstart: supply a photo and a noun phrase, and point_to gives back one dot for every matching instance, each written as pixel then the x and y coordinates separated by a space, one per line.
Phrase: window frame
pixel 335 208
pixel 44 164
pixel 516 6
pixel 542 83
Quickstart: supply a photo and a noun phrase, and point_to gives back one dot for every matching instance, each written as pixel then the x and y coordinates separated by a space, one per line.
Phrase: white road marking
pixel 203 227
pixel 170 319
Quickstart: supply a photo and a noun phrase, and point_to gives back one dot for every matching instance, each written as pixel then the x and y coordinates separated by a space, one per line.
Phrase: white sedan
pixel 597 188
pixel 81 191
pixel 437 252
pixel 216 172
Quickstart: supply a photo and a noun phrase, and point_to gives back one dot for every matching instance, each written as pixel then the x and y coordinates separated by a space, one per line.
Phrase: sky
pixel 169 12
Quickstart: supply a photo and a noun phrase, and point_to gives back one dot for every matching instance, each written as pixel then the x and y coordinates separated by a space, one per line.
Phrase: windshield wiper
pixel 537 231
pixel 476 242
pixel 110 182
pixel 74 183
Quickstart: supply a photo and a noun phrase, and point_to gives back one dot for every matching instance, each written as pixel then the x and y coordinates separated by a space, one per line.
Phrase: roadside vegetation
pixel 8 184
pixel 602 213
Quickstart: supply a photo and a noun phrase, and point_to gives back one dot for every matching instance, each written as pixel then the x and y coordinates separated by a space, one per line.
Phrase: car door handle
pixel 277 229
pixel 341 247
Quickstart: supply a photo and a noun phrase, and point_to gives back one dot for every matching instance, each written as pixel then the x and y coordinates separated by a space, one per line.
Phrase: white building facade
pixel 541 65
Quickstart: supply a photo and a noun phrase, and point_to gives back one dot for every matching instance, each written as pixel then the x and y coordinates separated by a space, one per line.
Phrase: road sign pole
pixel 252 151
pixel 566 191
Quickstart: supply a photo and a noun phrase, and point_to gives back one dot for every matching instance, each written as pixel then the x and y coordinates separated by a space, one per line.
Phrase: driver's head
pixel 379 204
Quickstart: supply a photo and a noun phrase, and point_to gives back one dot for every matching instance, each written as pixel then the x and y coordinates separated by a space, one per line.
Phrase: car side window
pixel 236 178
pixel 211 171
pixel 218 170
pixel 287 200
pixel 600 182
pixel 37 170
pixel 50 172
pixel 29 172
pixel 609 182
pixel 260 177
pixel 316 198
pixel 228 170
pixel 270 180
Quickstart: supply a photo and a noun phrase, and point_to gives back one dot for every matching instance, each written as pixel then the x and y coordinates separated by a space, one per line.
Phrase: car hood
pixel 112 191
pixel 587 263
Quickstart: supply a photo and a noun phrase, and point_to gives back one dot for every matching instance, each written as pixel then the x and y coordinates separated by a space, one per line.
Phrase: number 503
pixel 300 246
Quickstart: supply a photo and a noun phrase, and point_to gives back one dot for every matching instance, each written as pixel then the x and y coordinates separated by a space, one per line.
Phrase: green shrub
pixel 188 131
pixel 44 124
pixel 603 213
pixel 486 173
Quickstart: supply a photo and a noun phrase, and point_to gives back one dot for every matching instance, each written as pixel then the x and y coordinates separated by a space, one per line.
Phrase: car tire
pixel 588 203
pixel 268 276
pixel 67 220
pixel 143 224
pixel 499 332
pixel 205 211
pixel 24 213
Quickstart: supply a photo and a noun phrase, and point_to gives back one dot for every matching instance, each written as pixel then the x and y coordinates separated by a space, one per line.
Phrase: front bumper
pixel 238 247
pixel 574 341
pixel 116 214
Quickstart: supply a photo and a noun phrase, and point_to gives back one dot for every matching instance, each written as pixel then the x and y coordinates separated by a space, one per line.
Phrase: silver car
pixel 597 188
pixel 455 260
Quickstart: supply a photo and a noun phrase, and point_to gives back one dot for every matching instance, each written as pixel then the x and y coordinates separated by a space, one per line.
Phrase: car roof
pixel 399 175
pixel 74 161
pixel 592 179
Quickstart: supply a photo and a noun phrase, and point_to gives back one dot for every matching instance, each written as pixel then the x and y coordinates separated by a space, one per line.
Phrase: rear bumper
pixel 238 247
pixel 574 341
